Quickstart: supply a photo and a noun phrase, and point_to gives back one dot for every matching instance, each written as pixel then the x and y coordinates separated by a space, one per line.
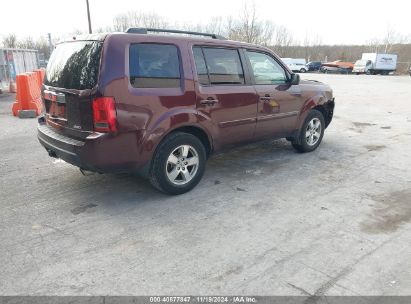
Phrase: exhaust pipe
pixel 52 154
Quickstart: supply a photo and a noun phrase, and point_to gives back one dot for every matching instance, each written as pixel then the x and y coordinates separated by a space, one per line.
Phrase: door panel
pixel 224 96
pixel 234 115
pixel 279 102
pixel 278 108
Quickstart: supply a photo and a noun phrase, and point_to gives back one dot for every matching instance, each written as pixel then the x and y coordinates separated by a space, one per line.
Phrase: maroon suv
pixel 162 104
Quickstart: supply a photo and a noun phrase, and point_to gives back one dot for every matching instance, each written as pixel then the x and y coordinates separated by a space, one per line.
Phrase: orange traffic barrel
pixel 28 95
pixel 40 73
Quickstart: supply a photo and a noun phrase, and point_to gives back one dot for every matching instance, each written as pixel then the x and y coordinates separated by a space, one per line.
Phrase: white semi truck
pixel 375 63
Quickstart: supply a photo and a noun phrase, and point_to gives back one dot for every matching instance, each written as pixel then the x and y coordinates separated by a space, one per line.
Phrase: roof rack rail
pixel 138 30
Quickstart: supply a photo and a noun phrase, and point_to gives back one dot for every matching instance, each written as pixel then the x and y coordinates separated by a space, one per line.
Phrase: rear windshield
pixel 74 65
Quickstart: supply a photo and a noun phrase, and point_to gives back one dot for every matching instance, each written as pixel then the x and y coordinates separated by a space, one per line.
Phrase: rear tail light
pixel 104 114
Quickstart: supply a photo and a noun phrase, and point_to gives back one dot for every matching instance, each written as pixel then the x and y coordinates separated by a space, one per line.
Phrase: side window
pixel 266 69
pixel 154 66
pixel 201 67
pixel 222 65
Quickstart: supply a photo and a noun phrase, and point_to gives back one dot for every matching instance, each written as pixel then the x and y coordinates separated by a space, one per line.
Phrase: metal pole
pixel 88 16
pixel 50 44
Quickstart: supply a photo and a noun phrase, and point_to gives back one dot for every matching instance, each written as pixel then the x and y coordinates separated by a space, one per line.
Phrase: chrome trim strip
pixel 236 122
pixel 277 115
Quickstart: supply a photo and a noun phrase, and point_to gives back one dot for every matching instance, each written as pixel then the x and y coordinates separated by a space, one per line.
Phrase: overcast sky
pixel 336 22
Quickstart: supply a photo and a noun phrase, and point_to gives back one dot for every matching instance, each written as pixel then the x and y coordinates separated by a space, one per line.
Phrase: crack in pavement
pixel 346 270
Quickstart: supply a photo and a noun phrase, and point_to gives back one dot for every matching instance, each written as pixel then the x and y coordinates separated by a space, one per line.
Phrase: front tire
pixel 311 132
pixel 303 70
pixel 178 163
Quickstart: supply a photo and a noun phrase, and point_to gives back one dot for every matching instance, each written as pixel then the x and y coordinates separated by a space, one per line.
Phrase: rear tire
pixel 303 70
pixel 311 132
pixel 178 163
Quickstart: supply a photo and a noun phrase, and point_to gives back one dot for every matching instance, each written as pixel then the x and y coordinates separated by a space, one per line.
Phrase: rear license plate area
pixel 55 104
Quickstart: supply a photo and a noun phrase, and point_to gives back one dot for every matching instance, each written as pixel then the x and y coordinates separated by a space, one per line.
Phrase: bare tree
pixel 40 44
pixel 312 47
pixel 138 19
pixel 26 43
pixel 249 28
pixel 388 42
pixel 10 41
pixel 373 45
pixel 391 38
pixel 216 26
pixel 282 41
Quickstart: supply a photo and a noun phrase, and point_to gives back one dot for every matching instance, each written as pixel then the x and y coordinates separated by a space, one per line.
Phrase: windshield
pixel 361 62
pixel 74 65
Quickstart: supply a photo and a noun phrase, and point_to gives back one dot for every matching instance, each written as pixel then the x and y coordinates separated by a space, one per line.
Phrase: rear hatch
pixel 70 86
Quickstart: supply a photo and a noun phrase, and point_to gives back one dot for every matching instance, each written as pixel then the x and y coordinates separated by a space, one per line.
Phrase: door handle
pixel 210 101
pixel 265 98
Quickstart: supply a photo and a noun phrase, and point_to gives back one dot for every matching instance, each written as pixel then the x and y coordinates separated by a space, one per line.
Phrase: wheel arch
pixel 181 121
pixel 184 120
pixel 320 103
pixel 325 111
pixel 198 132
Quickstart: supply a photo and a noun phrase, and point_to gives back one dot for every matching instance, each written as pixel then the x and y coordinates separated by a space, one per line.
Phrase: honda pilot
pixel 160 103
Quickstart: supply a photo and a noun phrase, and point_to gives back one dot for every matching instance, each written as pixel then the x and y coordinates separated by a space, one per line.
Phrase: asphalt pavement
pixel 265 220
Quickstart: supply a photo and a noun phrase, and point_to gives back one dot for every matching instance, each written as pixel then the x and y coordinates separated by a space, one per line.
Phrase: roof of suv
pixel 176 37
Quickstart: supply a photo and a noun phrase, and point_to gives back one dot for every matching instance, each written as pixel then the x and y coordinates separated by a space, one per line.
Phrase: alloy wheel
pixel 182 165
pixel 313 132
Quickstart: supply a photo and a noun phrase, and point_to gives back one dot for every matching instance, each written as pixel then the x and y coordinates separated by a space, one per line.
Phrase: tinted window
pixel 154 66
pixel 224 66
pixel 201 67
pixel 74 65
pixel 266 69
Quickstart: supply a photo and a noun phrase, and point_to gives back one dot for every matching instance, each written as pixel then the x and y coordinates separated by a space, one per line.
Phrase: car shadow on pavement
pixel 252 161
pixel 229 177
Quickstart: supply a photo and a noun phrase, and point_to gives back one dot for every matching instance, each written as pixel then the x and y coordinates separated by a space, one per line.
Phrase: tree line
pixel 248 27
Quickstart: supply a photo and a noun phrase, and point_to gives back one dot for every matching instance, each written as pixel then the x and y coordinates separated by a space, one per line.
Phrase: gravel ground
pixel 264 221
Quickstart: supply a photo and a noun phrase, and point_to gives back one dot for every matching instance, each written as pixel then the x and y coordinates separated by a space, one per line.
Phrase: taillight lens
pixel 104 114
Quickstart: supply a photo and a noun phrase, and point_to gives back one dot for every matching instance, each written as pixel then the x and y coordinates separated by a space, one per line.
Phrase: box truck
pixel 375 63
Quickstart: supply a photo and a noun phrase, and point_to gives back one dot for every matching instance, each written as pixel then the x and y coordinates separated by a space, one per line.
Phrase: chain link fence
pixel 16 61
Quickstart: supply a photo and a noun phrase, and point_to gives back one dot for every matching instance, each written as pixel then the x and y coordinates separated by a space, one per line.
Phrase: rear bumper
pixel 103 153
pixel 60 146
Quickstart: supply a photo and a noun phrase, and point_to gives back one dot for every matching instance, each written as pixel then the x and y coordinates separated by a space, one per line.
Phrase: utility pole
pixel 50 44
pixel 88 16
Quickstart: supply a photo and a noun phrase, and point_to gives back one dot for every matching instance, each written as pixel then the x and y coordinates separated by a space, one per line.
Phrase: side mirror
pixel 295 79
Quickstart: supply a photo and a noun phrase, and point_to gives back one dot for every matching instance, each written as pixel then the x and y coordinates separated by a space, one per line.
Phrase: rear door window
pixel 154 66
pixel 223 66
